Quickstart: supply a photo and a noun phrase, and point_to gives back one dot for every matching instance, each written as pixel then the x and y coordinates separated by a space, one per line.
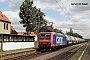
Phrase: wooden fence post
pixel 2 38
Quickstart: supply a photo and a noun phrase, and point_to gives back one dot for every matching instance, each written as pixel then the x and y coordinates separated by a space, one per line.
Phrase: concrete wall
pixel 2 31
pixel 17 45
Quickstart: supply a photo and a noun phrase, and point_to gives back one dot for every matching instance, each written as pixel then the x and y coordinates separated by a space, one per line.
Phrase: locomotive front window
pixel 48 36
pixel 44 36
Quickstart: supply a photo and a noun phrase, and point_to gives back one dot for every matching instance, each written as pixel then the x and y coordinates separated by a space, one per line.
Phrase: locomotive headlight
pixel 48 43
pixel 40 43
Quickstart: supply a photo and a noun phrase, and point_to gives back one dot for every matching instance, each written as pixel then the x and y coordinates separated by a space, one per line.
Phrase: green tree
pixel 70 33
pixel 32 18
pixel 58 31
pixel 73 34
pixel 55 30
pixel 71 30
pixel 40 21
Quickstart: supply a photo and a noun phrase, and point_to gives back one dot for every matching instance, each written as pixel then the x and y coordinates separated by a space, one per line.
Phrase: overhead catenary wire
pixel 68 13
pixel 64 11
pixel 65 7
pixel 13 2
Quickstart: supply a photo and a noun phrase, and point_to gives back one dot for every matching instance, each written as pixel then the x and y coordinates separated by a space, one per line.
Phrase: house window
pixel 5 26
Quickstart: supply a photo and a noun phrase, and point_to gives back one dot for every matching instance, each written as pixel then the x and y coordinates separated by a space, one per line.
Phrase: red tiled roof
pixel 13 31
pixel 21 33
pixel 32 34
pixel 4 18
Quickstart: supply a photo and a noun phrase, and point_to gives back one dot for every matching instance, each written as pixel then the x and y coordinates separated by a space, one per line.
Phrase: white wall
pixel 17 45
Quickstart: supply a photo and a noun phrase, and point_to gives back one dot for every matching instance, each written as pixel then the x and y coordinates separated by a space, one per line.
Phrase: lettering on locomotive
pixel 59 39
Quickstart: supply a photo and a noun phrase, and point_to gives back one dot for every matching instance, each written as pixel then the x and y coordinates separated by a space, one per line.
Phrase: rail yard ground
pixel 45 56
pixel 16 50
pixel 55 53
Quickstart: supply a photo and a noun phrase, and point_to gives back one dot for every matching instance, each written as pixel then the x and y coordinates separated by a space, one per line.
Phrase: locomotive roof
pixel 47 32
pixel 53 33
pixel 60 34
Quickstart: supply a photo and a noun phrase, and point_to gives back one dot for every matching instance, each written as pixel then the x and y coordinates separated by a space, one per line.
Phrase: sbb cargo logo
pixel 59 39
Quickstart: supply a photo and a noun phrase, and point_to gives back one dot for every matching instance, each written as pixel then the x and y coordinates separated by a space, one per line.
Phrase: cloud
pixel 43 4
pixel 76 10
pixel 53 5
pixel 2 0
pixel 46 4
pixel 15 4
pixel 80 26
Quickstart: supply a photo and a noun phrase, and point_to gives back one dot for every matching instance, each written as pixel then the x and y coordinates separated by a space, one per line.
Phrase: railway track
pixel 23 55
pixel 54 54
pixel 9 56
pixel 26 55
pixel 66 55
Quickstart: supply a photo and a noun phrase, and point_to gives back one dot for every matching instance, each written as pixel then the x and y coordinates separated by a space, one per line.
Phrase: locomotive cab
pixel 45 40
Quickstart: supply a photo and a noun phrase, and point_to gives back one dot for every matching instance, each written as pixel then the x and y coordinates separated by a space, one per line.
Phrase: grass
pixel 0 50
pixel 89 42
pixel 35 44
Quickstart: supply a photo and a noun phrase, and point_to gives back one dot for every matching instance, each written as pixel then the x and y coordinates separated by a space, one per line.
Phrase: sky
pixel 61 12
